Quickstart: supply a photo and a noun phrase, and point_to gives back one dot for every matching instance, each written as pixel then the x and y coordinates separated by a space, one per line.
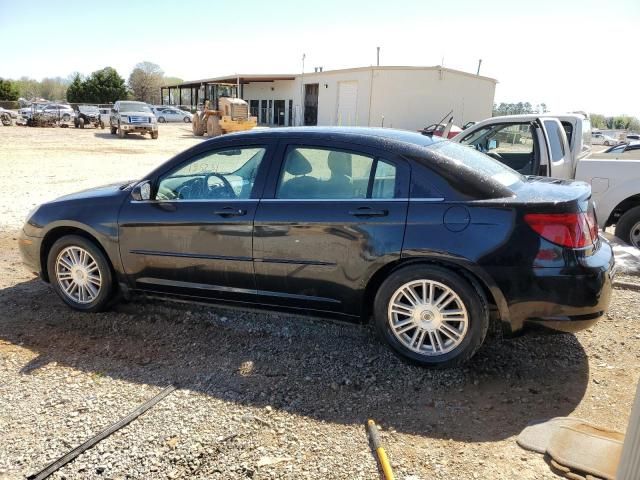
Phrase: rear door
pixel 332 214
pixel 558 151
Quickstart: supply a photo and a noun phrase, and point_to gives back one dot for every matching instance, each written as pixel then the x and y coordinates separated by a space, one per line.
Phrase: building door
pixel 311 104
pixel 290 122
pixel 347 103
pixel 278 107
pixel 263 113
pixel 254 108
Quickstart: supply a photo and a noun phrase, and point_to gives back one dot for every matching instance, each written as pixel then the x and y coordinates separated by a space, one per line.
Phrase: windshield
pixel 134 107
pixel 479 162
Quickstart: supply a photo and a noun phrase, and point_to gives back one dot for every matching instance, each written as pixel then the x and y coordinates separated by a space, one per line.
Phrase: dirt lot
pixel 262 395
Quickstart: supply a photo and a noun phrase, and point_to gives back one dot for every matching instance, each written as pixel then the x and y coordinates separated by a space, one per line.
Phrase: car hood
pixel 104 191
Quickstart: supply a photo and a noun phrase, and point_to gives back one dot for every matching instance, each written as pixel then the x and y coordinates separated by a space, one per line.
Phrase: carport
pixel 198 91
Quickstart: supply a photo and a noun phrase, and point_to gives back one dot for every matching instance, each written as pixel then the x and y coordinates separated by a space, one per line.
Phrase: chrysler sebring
pixel 427 238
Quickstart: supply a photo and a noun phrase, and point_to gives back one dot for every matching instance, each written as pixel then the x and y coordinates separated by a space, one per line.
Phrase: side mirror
pixel 492 145
pixel 142 191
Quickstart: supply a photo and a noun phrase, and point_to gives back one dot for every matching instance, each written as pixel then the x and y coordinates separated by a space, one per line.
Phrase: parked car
pixel 132 117
pixel 598 138
pixel 59 111
pixel 425 235
pixel 169 114
pixel 624 147
pixel 560 146
pixel 633 137
pixel 88 115
pixel 437 129
pixel 7 116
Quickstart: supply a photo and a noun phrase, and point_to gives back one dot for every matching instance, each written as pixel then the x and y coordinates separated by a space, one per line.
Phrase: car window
pixel 556 141
pixel 219 175
pixel 509 143
pixel 318 173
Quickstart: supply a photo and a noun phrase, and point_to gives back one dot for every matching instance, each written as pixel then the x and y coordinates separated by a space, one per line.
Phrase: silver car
pixel 172 114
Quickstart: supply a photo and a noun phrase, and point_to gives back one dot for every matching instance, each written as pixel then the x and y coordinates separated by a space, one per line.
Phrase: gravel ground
pixel 262 395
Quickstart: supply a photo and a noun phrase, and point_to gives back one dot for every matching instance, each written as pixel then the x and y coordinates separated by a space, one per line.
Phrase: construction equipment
pixel 222 112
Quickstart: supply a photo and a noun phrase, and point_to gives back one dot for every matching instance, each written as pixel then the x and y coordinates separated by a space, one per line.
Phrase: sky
pixel 571 55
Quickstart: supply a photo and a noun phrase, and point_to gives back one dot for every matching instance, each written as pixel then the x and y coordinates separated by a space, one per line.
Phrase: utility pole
pixel 304 55
pixel 378 56
pixel 479 63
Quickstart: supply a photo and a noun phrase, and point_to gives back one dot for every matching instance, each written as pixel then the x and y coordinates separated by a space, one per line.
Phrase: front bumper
pixel 139 127
pixel 30 252
pixel 568 299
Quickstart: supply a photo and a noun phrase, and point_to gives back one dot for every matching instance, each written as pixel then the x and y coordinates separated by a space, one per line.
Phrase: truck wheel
pixel 81 122
pixel 198 126
pixel 114 130
pixel 628 227
pixel 154 135
pixel 213 126
pixel 101 123
pixel 121 132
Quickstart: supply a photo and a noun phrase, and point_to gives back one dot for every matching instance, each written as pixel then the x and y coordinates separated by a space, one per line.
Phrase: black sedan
pixel 428 238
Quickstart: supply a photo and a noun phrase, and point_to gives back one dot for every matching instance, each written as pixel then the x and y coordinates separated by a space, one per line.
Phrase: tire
pixel 471 330
pixel 161 120
pixel 186 120
pixel 213 126
pixel 95 262
pixel 198 126
pixel 75 123
pixel 154 135
pixel 101 124
pixel 628 227
pixel 114 130
pixel 606 143
pixel 121 132
pixel 81 122
pixel 66 117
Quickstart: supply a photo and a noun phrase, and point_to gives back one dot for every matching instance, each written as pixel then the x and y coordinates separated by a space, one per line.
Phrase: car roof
pixel 363 135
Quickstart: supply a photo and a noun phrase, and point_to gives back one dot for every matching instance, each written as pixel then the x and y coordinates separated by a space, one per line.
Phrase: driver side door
pixel 194 236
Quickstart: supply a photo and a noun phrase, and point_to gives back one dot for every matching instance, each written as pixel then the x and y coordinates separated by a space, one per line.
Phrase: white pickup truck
pixel 560 146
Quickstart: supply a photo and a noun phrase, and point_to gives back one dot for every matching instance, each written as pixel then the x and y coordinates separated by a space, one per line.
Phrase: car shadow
pixel 131 136
pixel 323 369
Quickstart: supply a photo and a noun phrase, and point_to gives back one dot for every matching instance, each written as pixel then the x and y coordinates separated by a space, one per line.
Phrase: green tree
pixel 145 82
pixel 75 91
pixel 519 108
pixel 8 90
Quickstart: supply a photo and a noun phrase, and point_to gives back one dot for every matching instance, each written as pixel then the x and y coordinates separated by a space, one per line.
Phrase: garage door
pixel 347 103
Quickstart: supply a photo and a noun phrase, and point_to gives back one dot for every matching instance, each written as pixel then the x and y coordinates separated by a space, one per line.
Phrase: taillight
pixel 572 230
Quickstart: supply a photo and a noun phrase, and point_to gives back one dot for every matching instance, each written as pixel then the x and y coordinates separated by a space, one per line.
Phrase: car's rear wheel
pixel 114 130
pixel 186 120
pixel 80 273
pixel 161 120
pixel 431 316
pixel 628 227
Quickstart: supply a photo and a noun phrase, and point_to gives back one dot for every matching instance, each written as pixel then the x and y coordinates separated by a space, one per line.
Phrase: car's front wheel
pixel 121 132
pixel 431 316
pixel 80 273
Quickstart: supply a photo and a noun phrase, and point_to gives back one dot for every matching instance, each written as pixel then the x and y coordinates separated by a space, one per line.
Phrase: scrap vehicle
pixel 222 112
pixel 547 145
pixel 133 117
pixel 424 237
pixel 7 116
pixel 49 115
pixel 87 115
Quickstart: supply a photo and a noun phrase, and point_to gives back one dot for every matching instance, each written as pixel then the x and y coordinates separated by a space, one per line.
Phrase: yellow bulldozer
pixel 223 113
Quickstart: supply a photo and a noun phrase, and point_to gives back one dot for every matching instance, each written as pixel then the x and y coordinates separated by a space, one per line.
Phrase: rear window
pixel 479 162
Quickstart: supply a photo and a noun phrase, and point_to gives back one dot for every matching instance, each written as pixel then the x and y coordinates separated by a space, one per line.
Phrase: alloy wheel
pixel 78 275
pixel 428 317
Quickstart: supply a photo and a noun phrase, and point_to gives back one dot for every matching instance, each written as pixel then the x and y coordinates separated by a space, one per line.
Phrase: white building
pixel 399 97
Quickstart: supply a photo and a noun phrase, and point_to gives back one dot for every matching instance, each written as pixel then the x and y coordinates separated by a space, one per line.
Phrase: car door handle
pixel 368 212
pixel 230 212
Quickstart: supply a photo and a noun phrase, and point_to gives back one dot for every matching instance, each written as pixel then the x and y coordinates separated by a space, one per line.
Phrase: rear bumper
pixel 566 299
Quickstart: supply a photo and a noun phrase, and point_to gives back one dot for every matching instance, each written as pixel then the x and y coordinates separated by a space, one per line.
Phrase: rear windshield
pixel 479 162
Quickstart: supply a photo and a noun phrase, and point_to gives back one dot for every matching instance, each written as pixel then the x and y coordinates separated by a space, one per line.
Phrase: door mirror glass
pixel 141 191
pixel 492 145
